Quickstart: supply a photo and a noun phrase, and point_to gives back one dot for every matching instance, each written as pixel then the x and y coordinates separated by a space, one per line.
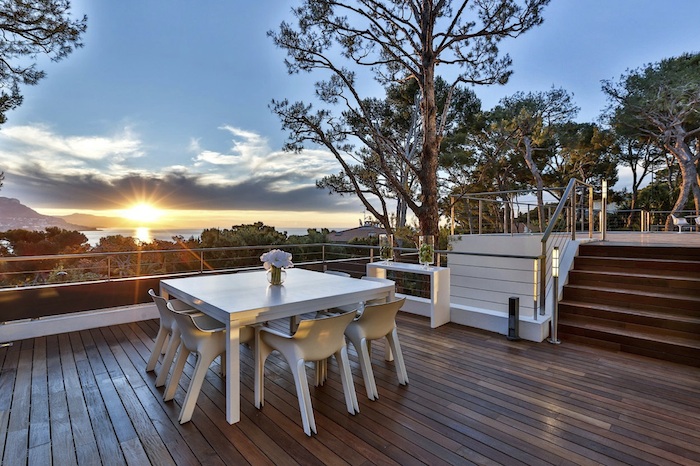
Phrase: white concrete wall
pixel 52 325
pixel 488 282
pixel 481 286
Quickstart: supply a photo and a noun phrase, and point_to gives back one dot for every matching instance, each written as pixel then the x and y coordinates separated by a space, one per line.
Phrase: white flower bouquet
pixel 277 258
pixel 274 262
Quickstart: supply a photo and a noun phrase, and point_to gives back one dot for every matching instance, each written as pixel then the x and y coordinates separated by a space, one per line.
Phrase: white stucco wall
pixel 482 285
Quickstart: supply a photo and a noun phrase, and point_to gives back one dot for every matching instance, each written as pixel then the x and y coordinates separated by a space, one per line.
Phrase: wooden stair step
pixel 692 360
pixel 670 345
pixel 650 252
pixel 636 281
pixel 649 266
pixel 640 332
pixel 660 320
pixel 636 299
pixel 684 304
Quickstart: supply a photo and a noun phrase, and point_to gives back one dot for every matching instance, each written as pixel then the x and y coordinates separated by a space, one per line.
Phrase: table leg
pixel 233 373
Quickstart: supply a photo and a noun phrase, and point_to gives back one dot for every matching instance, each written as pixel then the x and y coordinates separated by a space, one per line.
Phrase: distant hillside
pixel 15 215
pixel 96 221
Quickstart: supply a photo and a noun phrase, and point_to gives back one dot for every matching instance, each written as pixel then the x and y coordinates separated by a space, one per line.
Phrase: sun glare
pixel 144 213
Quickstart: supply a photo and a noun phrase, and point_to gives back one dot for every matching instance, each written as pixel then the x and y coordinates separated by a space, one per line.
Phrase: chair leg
pixel 177 373
pixel 302 385
pixel 164 348
pixel 321 372
pixel 168 358
pixel 200 371
pixel 393 340
pixel 351 403
pixel 293 324
pixel 262 351
pixel 362 348
pixel 157 348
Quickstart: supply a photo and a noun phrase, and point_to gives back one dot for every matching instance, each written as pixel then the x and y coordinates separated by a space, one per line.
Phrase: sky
pixel 167 104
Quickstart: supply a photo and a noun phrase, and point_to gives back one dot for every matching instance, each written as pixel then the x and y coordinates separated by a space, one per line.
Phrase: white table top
pixel 248 298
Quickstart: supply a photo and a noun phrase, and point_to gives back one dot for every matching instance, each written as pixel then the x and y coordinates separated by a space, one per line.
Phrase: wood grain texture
pixel 474 398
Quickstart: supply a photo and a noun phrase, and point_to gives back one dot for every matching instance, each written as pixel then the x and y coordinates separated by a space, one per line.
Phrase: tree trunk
pixel 428 215
pixel 689 175
pixel 538 180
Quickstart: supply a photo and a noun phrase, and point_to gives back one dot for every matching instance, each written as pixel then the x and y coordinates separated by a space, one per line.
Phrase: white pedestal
pixel 439 286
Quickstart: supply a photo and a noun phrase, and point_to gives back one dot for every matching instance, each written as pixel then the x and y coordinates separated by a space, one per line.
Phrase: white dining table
pixel 246 298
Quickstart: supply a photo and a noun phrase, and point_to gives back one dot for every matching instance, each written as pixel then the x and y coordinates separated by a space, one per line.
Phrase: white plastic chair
pixel 321 369
pixel 377 321
pixel 361 305
pixel 680 222
pixel 385 281
pixel 167 333
pixel 314 340
pixel 206 337
pixel 697 223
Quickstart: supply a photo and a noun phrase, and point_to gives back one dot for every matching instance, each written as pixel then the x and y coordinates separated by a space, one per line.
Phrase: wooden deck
pixel 473 398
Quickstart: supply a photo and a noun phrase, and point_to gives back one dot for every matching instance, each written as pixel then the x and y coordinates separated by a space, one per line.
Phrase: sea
pixel 146 235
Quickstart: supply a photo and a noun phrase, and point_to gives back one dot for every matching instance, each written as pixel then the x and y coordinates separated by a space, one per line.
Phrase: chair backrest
pixel 384 281
pixel 679 220
pixel 320 338
pixel 378 320
pixel 166 318
pixel 338 273
pixel 189 332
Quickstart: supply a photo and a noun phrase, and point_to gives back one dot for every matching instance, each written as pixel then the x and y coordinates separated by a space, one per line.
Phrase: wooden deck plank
pixel 107 441
pixel 149 444
pixel 62 446
pixel 185 446
pixel 17 439
pixel 8 376
pixel 8 379
pixel 83 436
pixel 473 398
pixel 39 427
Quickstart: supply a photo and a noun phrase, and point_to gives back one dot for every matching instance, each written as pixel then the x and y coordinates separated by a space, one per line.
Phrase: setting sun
pixel 144 213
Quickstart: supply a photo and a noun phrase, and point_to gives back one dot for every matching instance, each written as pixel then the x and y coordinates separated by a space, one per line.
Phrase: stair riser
pixel 670 304
pixel 622 266
pixel 646 252
pixel 658 350
pixel 615 319
pixel 677 286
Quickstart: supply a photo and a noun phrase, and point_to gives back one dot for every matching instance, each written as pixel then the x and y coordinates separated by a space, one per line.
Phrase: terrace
pixel 73 386
pixel 473 398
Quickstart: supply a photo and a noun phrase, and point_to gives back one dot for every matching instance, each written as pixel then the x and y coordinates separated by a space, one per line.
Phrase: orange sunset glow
pixel 142 213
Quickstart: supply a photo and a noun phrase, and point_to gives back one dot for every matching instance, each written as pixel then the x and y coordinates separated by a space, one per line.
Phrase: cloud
pixel 49 170
pixel 250 159
pixel 39 140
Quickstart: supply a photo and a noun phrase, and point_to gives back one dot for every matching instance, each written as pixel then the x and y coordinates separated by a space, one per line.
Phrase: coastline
pixel 146 234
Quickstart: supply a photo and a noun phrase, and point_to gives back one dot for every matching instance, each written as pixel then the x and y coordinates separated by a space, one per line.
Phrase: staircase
pixel 636 299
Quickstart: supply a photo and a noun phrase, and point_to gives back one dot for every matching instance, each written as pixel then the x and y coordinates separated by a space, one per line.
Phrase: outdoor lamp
pixel 534 285
pixel 604 209
pixel 605 190
pixel 554 323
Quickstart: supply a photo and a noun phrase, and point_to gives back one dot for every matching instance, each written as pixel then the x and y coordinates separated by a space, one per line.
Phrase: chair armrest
pixel 207 324
pixel 180 306
pixel 275 332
